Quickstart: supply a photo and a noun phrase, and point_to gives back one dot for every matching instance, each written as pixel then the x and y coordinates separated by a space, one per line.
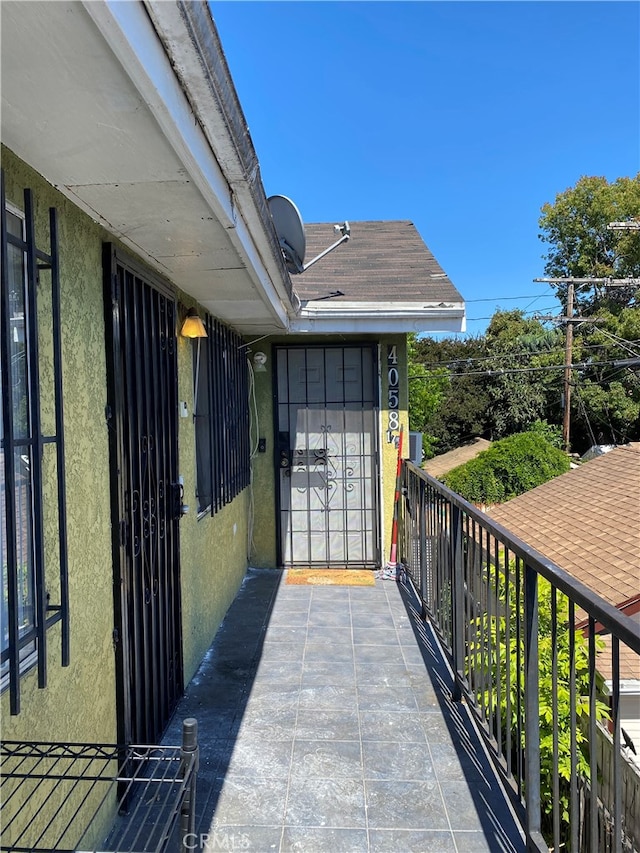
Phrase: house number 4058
pixel 393 399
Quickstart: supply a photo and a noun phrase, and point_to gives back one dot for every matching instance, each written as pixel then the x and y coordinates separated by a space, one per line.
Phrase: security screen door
pixel 143 427
pixel 327 456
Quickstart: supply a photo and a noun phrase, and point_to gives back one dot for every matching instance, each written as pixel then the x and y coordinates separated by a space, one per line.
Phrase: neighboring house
pixel 587 521
pixel 440 465
pixel 141 471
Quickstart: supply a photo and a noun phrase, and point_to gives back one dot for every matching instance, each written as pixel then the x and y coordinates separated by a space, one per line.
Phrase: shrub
pixel 508 468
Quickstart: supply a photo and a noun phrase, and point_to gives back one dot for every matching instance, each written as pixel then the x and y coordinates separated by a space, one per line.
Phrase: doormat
pixel 330 577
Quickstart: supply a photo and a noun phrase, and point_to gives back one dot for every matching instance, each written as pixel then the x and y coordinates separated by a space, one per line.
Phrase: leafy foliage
pixel 502 382
pixel 425 395
pixel 510 648
pixel 581 245
pixel 508 468
pixel 462 412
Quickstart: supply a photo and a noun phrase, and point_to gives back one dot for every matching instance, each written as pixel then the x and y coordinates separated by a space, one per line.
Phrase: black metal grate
pixel 58 796
pixel 25 448
pixel 327 455
pixel 143 412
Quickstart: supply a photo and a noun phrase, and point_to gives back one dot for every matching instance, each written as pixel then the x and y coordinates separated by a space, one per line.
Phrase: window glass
pixel 19 378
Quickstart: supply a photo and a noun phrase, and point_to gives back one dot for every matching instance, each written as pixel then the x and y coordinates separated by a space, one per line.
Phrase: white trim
pixel 392 307
pixel 630 687
pixel 126 28
pixel 379 318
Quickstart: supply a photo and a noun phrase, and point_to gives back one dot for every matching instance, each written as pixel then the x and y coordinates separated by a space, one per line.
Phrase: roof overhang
pixel 118 106
pixel 343 317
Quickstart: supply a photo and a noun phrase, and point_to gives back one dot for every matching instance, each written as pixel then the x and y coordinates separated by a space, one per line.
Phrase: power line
pixel 500 371
pixel 508 298
pixel 548 308
pixel 610 281
pixel 621 342
pixel 556 350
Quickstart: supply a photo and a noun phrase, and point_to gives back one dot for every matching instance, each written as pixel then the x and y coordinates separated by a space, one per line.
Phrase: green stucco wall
pixel 264 551
pixel 79 702
pixel 213 549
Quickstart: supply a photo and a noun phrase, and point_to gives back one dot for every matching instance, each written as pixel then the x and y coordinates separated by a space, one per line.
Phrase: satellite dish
pixel 290 230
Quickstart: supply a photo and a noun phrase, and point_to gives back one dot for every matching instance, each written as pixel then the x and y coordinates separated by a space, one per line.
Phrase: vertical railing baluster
pixel 617 763
pixel 593 743
pixel 498 664
pixel 532 705
pixel 507 655
pixel 573 727
pixel 457 600
pixel 479 585
pixel 554 711
pixel 421 510
pixel 519 615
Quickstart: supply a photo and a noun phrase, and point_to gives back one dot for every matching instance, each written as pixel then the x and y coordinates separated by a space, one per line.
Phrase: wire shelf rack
pixel 89 797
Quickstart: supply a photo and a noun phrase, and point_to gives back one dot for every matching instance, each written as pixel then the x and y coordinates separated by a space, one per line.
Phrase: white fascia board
pixel 627 686
pixel 327 308
pixel 126 28
pixel 377 318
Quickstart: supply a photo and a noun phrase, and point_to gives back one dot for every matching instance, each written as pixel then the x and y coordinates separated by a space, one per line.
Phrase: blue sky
pixel 464 117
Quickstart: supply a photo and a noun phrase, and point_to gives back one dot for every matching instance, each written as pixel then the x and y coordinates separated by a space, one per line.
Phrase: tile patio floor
pixel 325 724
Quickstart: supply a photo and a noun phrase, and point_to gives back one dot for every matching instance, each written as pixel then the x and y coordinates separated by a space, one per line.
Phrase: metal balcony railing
pixel 523 640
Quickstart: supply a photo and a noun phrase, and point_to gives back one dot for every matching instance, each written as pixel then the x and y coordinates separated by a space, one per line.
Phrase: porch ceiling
pixel 91 101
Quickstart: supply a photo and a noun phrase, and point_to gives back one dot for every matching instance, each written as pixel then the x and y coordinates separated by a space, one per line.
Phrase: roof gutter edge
pixel 214 95
pixel 243 174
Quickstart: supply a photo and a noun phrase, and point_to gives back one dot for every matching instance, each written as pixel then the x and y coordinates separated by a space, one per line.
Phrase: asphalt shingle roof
pixel 441 465
pixel 587 521
pixel 381 262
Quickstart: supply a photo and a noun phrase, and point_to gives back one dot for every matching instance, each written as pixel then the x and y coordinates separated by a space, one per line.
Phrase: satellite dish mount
pixel 291 237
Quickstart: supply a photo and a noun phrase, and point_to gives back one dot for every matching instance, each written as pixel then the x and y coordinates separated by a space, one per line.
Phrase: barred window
pixel 32 449
pixel 221 407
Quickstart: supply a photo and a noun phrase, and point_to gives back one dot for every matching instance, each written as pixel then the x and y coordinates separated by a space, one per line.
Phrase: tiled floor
pixel 325 724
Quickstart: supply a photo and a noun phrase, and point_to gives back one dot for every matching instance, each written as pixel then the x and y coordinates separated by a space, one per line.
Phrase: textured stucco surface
pixel 213 549
pixel 264 464
pixel 79 701
pixel 263 552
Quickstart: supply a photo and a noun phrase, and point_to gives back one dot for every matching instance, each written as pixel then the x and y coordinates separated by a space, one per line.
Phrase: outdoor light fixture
pixel 259 361
pixel 193 327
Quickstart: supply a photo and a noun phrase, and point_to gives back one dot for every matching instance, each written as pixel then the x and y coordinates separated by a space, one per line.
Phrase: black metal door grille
pixel 327 455
pixel 144 444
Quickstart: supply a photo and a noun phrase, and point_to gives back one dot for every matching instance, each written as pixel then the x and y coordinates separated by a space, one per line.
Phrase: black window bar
pixel 46 613
pixel 228 413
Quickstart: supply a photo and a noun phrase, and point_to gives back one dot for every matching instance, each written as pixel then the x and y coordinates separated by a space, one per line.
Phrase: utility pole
pixel 570 321
pixel 566 399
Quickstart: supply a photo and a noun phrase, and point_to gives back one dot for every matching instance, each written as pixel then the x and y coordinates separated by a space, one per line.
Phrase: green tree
pixel 519 389
pixel 427 387
pixel 462 410
pixel 581 245
pixel 606 399
pixel 508 468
